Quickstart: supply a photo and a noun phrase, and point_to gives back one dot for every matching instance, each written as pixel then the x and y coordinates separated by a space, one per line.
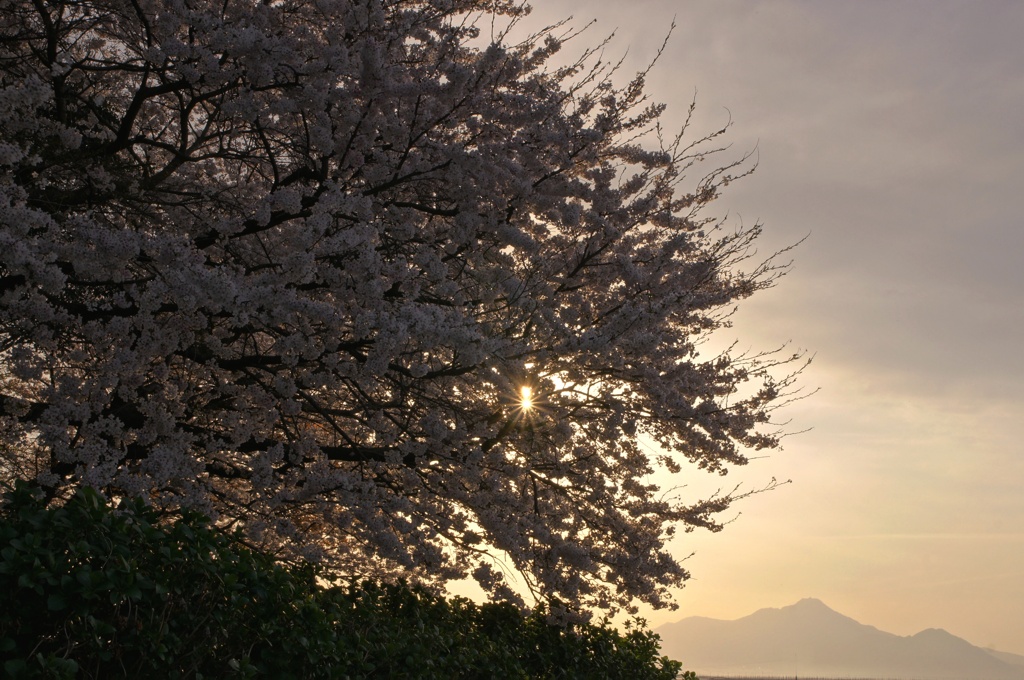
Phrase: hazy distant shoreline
pixel 794 677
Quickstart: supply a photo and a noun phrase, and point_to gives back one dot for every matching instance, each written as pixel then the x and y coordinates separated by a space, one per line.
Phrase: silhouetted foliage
pixel 87 591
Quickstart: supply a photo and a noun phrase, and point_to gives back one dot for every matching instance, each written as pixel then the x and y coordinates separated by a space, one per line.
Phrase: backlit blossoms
pixel 299 264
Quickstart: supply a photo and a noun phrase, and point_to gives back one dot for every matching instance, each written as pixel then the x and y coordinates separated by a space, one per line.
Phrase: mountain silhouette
pixel 1012 659
pixel 808 639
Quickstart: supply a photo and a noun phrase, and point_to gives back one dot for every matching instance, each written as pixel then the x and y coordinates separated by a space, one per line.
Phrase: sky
pixel 891 135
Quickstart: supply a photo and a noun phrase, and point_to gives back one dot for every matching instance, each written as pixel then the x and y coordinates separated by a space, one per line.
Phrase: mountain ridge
pixel 809 638
pixel 1007 657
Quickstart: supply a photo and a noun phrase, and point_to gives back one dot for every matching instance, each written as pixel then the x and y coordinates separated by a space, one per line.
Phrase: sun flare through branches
pixel 526 398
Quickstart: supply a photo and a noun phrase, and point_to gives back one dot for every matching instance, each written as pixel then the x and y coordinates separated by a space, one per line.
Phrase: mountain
pixel 1012 659
pixel 808 639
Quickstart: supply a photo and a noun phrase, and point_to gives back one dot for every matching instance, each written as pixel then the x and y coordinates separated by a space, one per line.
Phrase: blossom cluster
pixel 293 263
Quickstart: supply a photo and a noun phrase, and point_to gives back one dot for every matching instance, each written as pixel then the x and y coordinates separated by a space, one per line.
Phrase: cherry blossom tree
pixel 372 281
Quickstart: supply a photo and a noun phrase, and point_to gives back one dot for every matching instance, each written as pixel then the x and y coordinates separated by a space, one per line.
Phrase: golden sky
pixel 891 133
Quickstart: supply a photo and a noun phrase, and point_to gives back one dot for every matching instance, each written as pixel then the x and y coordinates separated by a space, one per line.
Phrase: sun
pixel 526 398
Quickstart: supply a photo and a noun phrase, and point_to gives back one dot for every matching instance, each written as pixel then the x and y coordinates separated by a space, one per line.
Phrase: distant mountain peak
pixel 809 611
pixel 936 633
pixel 811 639
pixel 811 604
pixel 805 606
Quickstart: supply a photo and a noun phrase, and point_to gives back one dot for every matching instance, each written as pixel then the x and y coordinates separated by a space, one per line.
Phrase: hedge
pixel 90 591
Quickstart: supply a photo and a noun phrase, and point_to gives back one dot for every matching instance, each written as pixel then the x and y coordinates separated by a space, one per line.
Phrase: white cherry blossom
pixel 300 264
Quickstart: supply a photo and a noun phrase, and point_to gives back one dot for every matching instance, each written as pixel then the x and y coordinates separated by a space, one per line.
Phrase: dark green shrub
pixel 89 592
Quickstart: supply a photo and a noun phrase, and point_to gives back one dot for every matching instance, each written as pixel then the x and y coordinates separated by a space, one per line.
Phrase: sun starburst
pixel 526 398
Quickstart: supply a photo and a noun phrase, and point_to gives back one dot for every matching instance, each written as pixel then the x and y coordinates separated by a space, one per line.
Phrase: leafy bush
pixel 87 591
